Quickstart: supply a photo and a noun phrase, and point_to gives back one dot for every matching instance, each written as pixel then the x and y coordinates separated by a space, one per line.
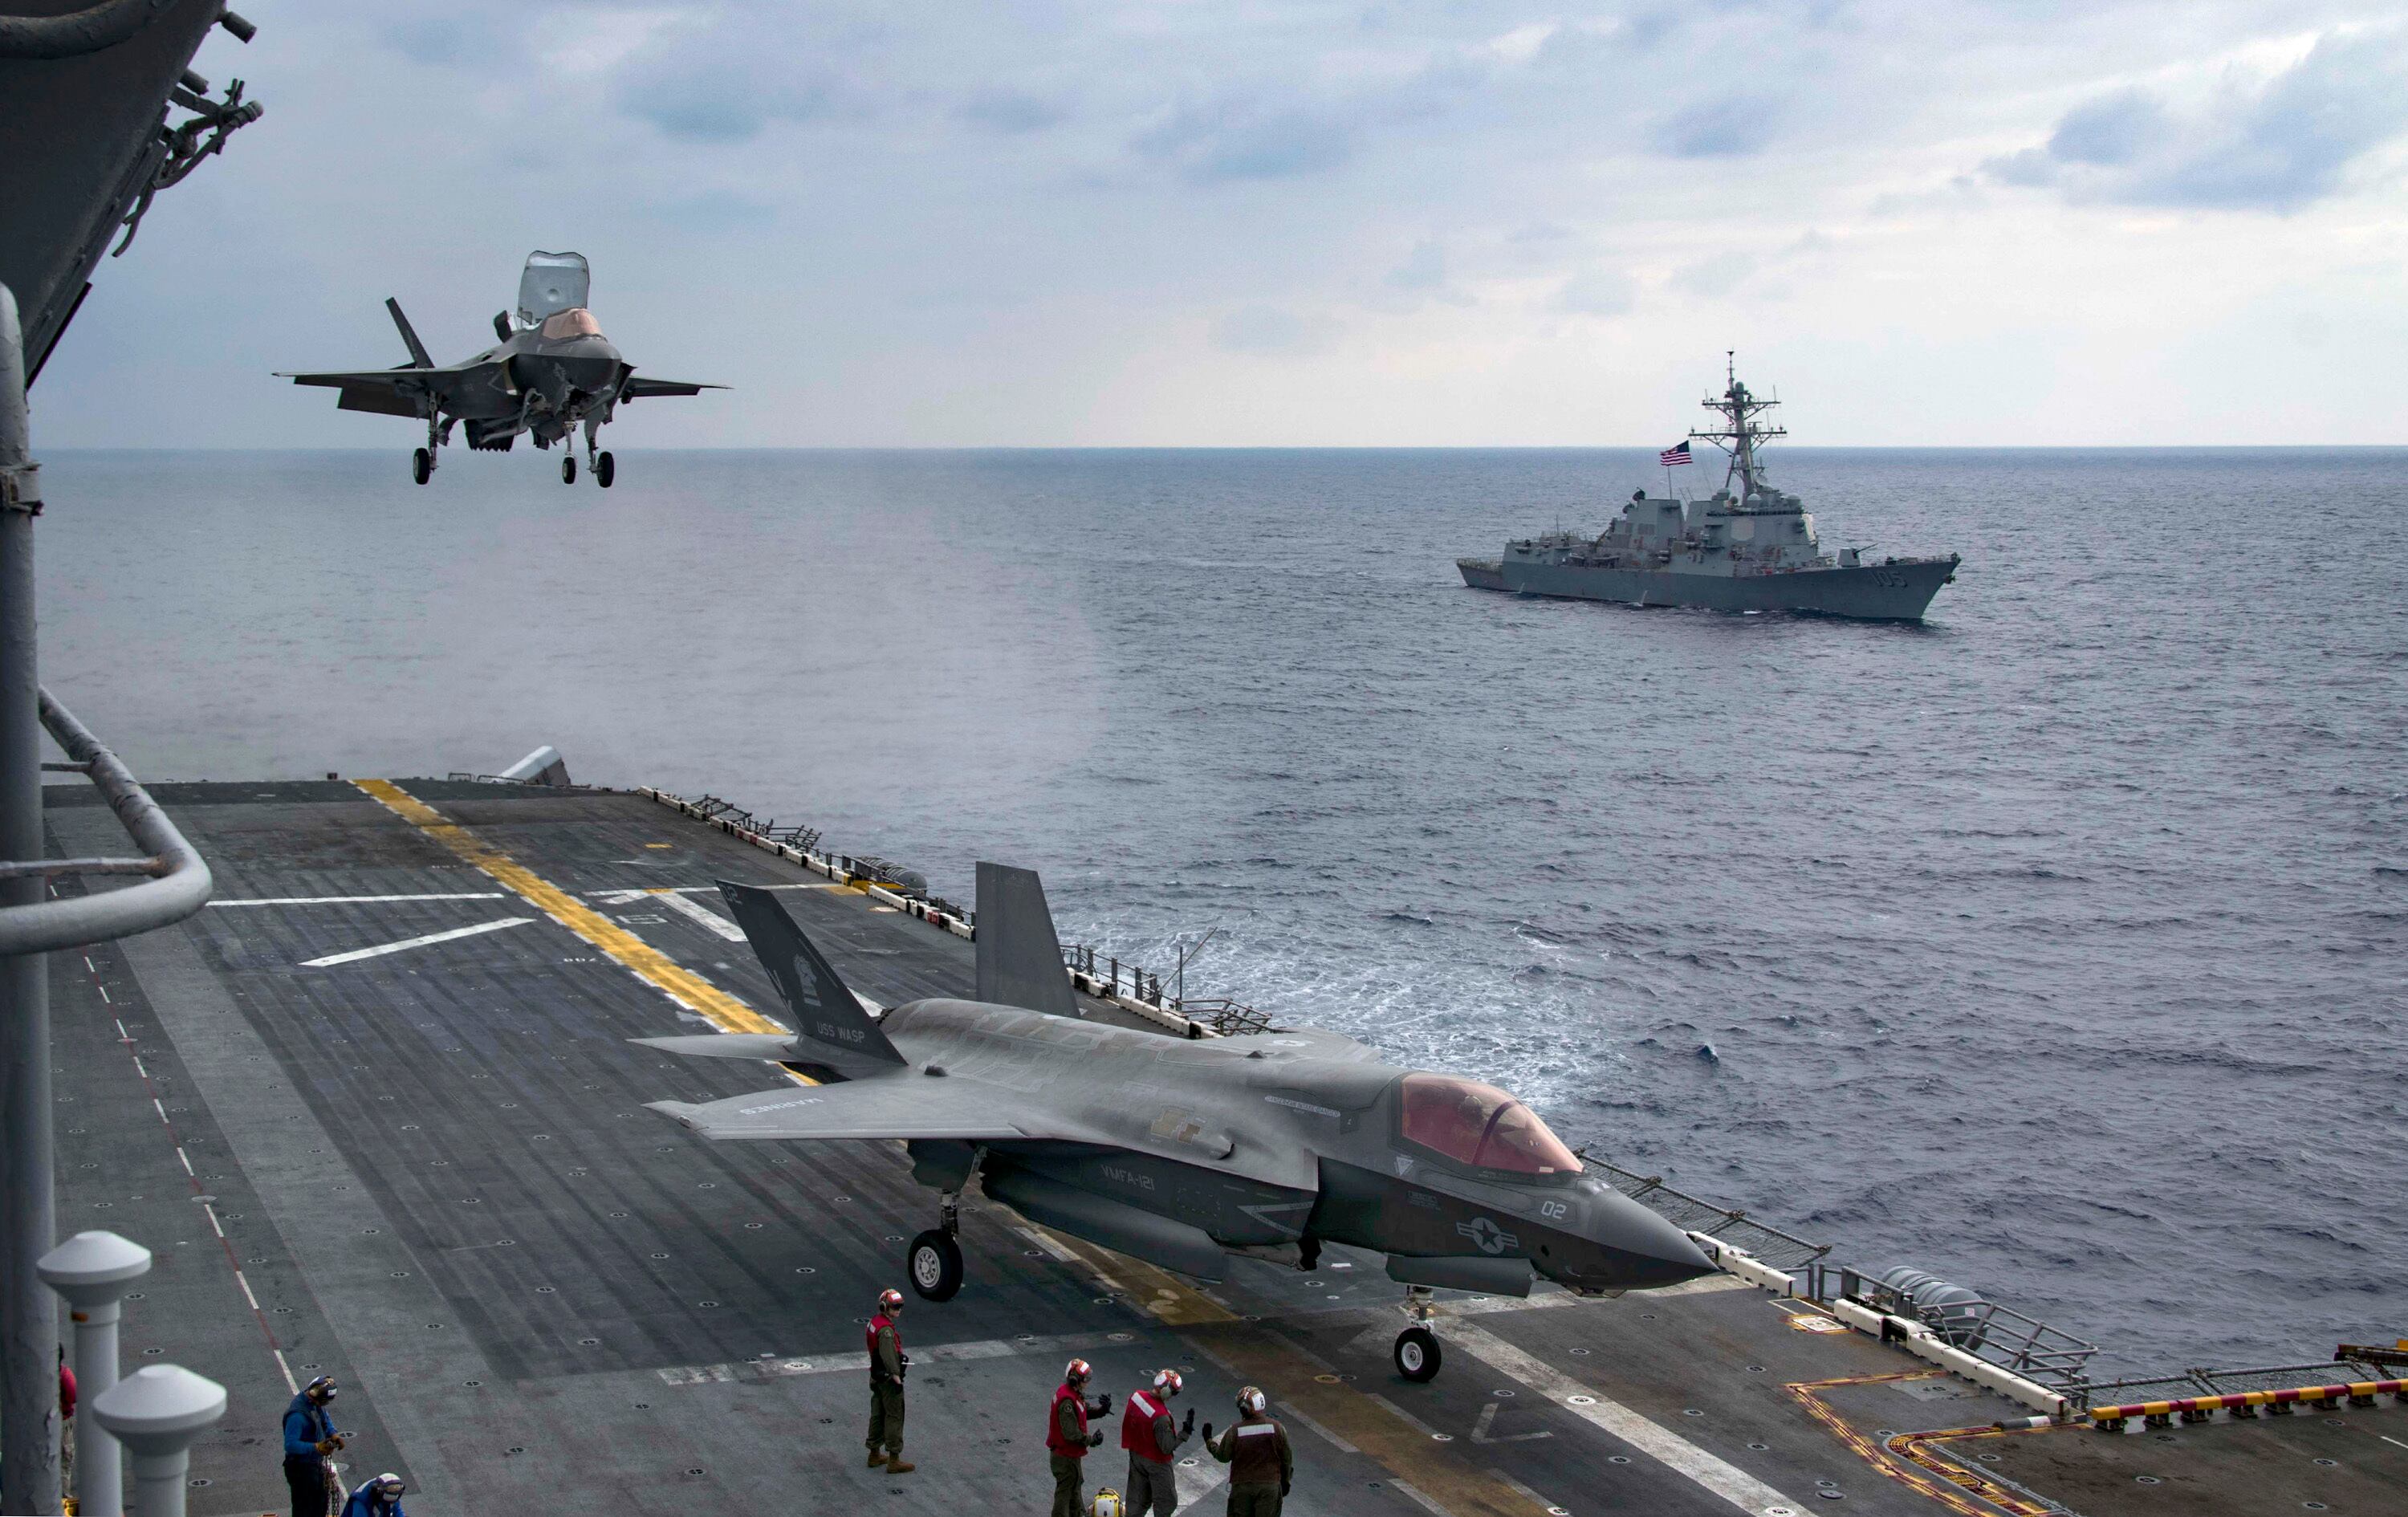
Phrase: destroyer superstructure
pixel 1749 546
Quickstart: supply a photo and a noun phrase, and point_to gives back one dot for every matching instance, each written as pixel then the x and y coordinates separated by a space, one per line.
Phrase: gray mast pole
pixel 29 1313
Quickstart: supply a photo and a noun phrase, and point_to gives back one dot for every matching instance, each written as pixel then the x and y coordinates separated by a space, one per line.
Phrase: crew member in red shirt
pixel 1152 1437
pixel 1067 1438
pixel 888 1363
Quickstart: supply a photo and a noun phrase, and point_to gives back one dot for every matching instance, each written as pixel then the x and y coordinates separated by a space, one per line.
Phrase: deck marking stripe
pixel 104 995
pixel 1288 1409
pixel 1418 1498
pixel 381 949
pixel 1727 1481
pixel 176 1140
pixel 2393 1441
pixel 824 1364
pixel 347 900
pixel 649 963
pixel 697 912
pixel 1195 1482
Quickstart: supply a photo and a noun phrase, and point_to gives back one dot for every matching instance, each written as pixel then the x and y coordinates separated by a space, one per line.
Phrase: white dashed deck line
pixel 358 953
pixel 1667 1448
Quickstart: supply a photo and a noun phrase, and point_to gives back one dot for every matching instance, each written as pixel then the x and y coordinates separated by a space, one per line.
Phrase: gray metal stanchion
pixel 156 1413
pixel 92 1271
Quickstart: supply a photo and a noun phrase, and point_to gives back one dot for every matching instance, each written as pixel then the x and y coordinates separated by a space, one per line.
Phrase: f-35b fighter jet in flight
pixel 550 370
pixel 1177 1152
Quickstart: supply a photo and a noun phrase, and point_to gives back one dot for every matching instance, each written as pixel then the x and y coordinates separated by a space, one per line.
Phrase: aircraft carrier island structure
pixel 1751 547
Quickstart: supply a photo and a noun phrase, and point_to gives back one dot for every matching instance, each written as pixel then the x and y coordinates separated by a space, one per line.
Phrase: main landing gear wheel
pixel 421 466
pixel 604 470
pixel 568 469
pixel 1417 1355
pixel 935 1262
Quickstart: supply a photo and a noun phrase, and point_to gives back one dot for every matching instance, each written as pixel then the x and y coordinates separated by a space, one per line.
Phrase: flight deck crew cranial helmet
pixel 1169 1382
pixel 389 1487
pixel 1252 1401
pixel 1106 1504
pixel 890 1300
pixel 321 1390
pixel 1076 1372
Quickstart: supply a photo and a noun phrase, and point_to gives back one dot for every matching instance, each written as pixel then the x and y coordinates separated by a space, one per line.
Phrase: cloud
pixel 717 86
pixel 1010 112
pixel 1596 291
pixel 1269 332
pixel 1717 276
pixel 1735 126
pixel 2270 145
pixel 1235 141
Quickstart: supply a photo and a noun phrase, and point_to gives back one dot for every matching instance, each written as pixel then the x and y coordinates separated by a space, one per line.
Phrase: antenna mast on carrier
pixel 1740 435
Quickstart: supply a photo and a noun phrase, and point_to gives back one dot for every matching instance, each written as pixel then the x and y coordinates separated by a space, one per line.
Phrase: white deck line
pixel 358 953
pixel 697 913
pixel 1727 1481
pixel 347 900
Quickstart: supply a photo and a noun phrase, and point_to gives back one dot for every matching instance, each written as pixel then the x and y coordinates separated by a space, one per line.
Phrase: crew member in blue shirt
pixel 379 1497
pixel 309 1436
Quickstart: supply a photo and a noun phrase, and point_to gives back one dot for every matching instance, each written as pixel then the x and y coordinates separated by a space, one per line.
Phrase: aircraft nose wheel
pixel 568 469
pixel 605 470
pixel 421 466
pixel 1417 1355
pixel 935 1264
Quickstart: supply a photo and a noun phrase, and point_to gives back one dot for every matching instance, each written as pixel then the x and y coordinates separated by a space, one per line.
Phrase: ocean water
pixel 2056 945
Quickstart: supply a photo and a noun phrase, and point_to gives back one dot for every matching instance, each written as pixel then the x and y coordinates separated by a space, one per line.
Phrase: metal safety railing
pixel 179 882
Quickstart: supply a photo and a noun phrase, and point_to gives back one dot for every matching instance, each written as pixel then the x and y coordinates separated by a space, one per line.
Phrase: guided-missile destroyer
pixel 1750 547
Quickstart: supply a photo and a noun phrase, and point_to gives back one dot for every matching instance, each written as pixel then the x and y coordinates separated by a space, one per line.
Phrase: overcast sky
pixel 1224 222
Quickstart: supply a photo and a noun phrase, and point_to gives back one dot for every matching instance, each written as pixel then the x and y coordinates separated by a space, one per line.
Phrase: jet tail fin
pixel 1019 957
pixel 409 338
pixel 831 1028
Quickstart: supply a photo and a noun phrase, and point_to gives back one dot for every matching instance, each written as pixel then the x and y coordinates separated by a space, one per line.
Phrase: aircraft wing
pixel 902 1105
pixel 637 387
pixel 390 392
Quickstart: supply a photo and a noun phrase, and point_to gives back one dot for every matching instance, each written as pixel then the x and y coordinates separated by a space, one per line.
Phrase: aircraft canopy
pixel 552 282
pixel 1481 1126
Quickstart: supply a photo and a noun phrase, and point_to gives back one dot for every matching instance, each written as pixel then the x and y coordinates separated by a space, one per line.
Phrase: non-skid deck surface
pixel 434 1173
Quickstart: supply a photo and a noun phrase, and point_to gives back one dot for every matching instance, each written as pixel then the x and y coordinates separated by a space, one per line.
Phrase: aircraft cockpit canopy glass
pixel 1481 1126
pixel 553 282
pixel 576 322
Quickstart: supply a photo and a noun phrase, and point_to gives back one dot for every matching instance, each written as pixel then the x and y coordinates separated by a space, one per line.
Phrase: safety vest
pixel 1053 1423
pixel 877 1324
pixel 1137 1427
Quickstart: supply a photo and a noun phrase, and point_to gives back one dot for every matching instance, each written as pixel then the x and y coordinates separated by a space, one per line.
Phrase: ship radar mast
pixel 1740 433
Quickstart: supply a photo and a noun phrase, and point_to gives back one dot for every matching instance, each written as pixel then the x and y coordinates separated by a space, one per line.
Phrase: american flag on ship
pixel 1670 456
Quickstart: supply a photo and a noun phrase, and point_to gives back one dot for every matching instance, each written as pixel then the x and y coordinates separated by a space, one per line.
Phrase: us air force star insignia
pixel 1491 1238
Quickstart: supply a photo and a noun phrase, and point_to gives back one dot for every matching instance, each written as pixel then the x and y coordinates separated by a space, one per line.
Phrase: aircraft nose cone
pixel 1650 1249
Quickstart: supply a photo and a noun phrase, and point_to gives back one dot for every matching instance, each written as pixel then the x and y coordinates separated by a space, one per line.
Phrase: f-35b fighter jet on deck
pixel 1177 1151
pixel 550 370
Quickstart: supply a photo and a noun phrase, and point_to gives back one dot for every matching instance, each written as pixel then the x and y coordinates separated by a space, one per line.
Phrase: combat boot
pixel 896 1467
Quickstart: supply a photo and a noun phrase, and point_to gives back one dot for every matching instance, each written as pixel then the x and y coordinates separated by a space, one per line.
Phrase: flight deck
pixel 376 1114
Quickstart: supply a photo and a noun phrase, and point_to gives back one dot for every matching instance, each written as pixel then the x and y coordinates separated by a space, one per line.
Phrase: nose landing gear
pixel 568 469
pixel 421 466
pixel 934 1261
pixel 1416 1350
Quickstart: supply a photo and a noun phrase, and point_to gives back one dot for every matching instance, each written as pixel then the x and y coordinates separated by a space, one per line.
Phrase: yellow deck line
pixel 649 963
